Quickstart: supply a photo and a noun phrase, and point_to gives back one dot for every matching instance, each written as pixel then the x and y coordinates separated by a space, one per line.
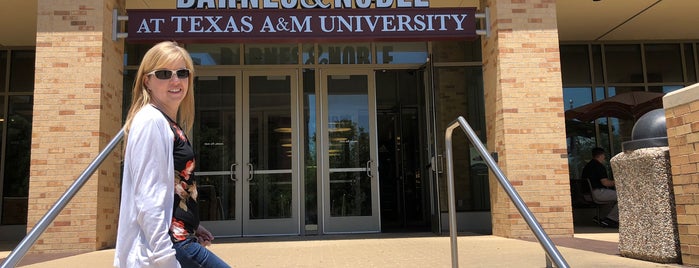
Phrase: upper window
pixel 22 71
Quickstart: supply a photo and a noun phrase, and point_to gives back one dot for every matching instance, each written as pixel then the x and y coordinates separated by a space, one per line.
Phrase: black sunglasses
pixel 167 74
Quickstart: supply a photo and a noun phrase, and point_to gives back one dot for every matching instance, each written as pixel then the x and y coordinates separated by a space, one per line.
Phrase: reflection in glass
pixel 330 53
pixel 16 174
pixel 576 96
pixel 270 142
pixel 215 54
pixel 259 54
pixel 310 145
pixel 270 196
pixel 459 89
pixel 348 135
pixel 397 53
pixel 214 141
pixel 457 51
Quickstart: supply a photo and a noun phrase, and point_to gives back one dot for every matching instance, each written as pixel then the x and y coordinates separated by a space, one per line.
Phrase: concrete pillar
pixel 77 110
pixel 524 111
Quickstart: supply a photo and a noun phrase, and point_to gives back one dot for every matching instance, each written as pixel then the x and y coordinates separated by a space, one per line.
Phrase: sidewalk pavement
pixel 386 250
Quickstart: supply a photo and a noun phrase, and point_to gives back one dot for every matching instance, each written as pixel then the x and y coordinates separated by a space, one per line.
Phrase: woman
pixel 159 221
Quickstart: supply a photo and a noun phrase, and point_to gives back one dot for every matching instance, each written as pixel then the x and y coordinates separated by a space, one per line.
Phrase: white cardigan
pixel 147 194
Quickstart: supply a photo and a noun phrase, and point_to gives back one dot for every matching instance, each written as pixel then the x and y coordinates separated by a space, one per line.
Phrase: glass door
pixel 270 154
pixel 217 143
pixel 349 155
pixel 247 167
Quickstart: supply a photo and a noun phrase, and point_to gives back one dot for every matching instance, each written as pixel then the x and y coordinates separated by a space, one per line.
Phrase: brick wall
pixel 682 121
pixel 77 110
pixel 524 111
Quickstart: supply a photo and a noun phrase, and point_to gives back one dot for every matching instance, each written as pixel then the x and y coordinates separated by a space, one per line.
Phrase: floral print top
pixel 185 216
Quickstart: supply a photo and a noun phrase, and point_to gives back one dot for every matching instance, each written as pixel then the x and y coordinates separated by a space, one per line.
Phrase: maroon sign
pixel 300 25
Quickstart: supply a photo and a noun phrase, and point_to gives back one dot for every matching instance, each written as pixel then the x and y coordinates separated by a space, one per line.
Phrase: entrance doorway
pixel 247 168
pixel 403 189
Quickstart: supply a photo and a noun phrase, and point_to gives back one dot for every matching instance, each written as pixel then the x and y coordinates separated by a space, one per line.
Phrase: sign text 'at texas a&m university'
pixel 301 20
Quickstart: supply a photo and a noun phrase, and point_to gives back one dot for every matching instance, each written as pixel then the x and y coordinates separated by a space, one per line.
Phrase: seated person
pixel 602 187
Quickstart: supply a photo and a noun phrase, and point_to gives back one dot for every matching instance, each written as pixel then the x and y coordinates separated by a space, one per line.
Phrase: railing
pixel 18 253
pixel 552 253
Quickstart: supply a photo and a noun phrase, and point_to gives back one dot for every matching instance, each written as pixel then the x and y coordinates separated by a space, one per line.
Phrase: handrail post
pixel 450 190
pixel 23 247
pixel 551 250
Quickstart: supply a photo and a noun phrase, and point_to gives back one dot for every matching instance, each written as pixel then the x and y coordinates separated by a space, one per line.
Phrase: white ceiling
pixel 578 20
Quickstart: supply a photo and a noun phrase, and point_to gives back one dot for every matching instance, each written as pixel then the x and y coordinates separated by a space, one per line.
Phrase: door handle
pixel 251 169
pixel 233 168
pixel 368 168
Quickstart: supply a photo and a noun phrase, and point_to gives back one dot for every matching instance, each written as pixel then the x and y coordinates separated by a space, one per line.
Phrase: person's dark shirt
pixel 595 172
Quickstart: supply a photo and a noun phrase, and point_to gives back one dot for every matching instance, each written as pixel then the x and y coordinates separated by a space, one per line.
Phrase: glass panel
pixel 663 63
pixel 134 53
pixel 664 89
pixel 397 53
pixel 459 89
pixel 22 71
pixel 214 142
pixel 359 53
pixel 613 91
pixel 310 145
pixel 623 63
pixel 270 146
pixel 457 51
pixel 597 68
pixel 3 70
pixel 129 79
pixel 16 181
pixel 215 54
pixel 691 64
pixel 309 55
pixel 270 196
pixel 348 134
pixel 260 54
pixel 575 64
pixel 576 97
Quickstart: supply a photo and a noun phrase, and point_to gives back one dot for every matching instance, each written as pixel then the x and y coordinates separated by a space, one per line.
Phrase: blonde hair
pixel 157 57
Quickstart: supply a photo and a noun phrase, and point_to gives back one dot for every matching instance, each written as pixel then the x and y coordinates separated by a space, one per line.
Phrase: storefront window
pixel 134 53
pixel 623 63
pixel 397 53
pixel 689 62
pixel 459 92
pixel 3 67
pixel 22 71
pixel 663 63
pixel 261 54
pixel 16 174
pixel 457 51
pixel 575 64
pixel 215 54
pixel 309 54
pixel 309 150
pixel 358 53
pixel 597 67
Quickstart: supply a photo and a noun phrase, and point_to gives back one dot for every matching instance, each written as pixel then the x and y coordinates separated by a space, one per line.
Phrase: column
pixel 524 111
pixel 77 111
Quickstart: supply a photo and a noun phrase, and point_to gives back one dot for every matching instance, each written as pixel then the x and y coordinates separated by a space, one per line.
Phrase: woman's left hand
pixel 204 237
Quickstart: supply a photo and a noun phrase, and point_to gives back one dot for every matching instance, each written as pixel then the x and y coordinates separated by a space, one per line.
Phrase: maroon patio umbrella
pixel 629 105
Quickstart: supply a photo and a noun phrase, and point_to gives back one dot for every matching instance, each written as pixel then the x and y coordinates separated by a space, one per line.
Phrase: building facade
pixel 311 137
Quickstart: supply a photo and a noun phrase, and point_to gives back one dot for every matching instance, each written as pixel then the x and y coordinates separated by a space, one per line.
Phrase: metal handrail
pixel 18 253
pixel 551 251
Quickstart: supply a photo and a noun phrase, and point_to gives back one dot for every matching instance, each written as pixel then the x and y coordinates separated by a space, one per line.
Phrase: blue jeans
pixel 192 254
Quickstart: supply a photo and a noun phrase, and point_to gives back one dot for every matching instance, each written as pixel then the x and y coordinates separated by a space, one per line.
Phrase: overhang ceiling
pixel 578 20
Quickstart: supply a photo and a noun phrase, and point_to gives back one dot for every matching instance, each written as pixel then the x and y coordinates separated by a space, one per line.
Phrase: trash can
pixel 647 216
